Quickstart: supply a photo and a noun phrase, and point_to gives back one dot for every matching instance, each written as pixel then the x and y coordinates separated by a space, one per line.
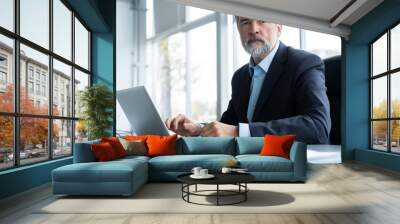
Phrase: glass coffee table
pixel 238 179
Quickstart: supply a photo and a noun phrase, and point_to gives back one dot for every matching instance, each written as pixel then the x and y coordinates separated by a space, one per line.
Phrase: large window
pixel 37 66
pixel 62 43
pixel 81 45
pixel 7 14
pixel 385 94
pixel 184 68
pixel 34 26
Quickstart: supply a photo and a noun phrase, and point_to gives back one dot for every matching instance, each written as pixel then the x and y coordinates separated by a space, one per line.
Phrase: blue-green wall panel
pixel 91 13
pixel 377 158
pixel 102 58
pixel 356 90
pixel 103 63
pixel 24 178
pixel 356 100
pixel 103 52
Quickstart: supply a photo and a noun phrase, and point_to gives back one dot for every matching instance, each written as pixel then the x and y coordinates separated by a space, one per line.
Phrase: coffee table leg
pixel 188 189
pixel 185 187
pixel 217 194
pixel 245 191
pixel 196 188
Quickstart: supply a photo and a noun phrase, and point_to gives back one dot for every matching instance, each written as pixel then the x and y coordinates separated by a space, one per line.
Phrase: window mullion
pixel 16 83
pixel 371 89
pixel 222 62
pixel 389 106
pixel 302 39
pixel 50 81
pixel 188 77
pixel 73 82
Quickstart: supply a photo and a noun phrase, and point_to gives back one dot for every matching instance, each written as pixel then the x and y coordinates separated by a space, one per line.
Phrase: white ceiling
pixel 325 16
pixel 324 9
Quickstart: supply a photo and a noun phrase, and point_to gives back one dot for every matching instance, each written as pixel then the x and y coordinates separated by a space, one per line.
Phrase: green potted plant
pixel 97 103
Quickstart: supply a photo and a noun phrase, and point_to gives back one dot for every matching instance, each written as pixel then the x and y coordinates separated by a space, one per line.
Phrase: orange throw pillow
pixel 103 152
pixel 277 145
pixel 116 145
pixel 142 138
pixel 136 137
pixel 161 145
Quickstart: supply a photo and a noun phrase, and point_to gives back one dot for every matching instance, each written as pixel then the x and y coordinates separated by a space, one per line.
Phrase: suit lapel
pixel 272 76
pixel 244 94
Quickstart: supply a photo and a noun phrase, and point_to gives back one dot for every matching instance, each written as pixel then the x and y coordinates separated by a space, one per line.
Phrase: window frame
pixel 16 115
pixel 388 74
pixel 3 77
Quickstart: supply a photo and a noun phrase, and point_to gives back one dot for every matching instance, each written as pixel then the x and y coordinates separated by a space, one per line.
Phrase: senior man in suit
pixel 280 91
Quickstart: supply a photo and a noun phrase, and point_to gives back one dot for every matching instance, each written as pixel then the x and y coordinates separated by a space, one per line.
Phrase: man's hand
pixel 218 129
pixel 183 126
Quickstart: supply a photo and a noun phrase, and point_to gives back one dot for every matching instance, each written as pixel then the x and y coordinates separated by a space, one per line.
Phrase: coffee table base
pixel 241 191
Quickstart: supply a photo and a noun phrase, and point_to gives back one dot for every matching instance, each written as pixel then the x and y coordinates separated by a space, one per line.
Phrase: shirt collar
pixel 266 62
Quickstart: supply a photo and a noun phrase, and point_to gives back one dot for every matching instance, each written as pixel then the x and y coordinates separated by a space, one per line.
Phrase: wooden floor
pixel 377 188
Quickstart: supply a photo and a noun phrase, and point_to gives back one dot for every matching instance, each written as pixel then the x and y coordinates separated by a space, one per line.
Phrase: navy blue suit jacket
pixel 292 100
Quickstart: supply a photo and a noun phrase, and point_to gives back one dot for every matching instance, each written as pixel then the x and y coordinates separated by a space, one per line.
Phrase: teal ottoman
pixel 118 177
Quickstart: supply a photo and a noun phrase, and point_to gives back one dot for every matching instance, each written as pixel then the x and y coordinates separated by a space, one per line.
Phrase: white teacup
pixel 226 170
pixel 203 172
pixel 196 171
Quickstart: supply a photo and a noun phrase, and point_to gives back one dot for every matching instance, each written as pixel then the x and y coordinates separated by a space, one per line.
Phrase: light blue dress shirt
pixel 258 73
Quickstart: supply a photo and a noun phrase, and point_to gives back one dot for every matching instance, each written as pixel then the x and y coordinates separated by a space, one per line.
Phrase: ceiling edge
pixel 272 15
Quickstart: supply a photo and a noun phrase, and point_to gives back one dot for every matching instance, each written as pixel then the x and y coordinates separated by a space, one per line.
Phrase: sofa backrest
pixel 249 145
pixel 206 145
pixel 184 145
pixel 83 152
pixel 190 146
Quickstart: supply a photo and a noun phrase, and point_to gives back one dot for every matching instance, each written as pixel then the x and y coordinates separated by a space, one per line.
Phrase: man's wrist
pixel 236 134
pixel 202 124
pixel 200 127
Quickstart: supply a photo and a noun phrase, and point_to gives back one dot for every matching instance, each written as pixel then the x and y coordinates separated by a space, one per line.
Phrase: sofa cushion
pixel 103 152
pixel 112 171
pixel 134 147
pixel 185 163
pixel 206 145
pixel 161 145
pixel 136 137
pixel 131 158
pixel 257 163
pixel 249 145
pixel 277 145
pixel 116 145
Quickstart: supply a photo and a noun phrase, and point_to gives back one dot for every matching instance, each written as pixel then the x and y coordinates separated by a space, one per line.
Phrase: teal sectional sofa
pixel 125 176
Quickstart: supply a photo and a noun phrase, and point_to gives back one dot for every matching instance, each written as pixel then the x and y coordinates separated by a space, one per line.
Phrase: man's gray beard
pixel 258 52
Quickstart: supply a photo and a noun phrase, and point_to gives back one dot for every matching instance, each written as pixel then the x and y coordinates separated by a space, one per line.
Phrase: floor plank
pixel 376 189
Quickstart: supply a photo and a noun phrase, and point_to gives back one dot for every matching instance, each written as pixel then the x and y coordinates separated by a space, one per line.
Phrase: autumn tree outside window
pixel 38 84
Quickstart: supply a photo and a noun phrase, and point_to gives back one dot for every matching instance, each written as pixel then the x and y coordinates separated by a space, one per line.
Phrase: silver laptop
pixel 141 112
